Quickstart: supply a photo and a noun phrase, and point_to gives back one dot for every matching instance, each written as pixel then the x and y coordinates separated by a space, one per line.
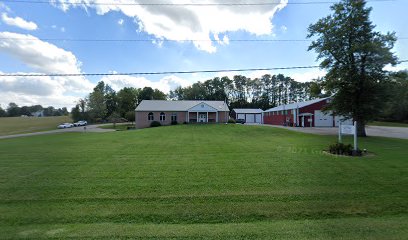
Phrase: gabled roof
pixel 247 110
pixel 295 105
pixel 163 105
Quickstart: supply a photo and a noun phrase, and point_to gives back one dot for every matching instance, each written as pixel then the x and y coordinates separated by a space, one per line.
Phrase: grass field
pixel 201 182
pixel 17 125
pixel 388 124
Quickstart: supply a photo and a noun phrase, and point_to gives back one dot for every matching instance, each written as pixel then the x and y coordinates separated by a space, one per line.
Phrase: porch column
pixel 197 116
pixel 207 116
pixel 188 117
pixel 216 116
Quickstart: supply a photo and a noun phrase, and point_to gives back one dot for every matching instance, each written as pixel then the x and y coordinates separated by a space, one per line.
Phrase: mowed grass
pixel 17 125
pixel 201 182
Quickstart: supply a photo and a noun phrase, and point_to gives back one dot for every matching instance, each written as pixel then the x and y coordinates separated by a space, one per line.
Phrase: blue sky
pixel 89 21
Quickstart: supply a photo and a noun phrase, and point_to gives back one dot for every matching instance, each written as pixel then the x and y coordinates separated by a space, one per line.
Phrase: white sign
pixel 347 129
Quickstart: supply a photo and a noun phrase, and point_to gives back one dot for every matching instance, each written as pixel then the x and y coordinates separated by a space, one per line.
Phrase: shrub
pixel 231 120
pixel 155 124
pixel 173 122
pixel 341 149
pixel 185 122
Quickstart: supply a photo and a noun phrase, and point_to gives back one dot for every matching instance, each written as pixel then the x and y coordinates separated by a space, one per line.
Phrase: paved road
pixel 89 128
pixel 392 132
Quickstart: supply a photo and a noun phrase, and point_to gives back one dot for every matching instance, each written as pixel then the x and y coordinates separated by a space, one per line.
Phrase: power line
pixel 160 73
pixel 153 73
pixel 183 4
pixel 163 40
pixel 150 40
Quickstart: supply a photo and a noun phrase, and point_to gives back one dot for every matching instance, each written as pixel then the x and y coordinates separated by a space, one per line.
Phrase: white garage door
pixel 250 118
pixel 258 118
pixel 240 116
pixel 323 120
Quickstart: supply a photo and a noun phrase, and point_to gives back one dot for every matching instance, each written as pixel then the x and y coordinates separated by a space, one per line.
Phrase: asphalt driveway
pixel 89 128
pixel 379 131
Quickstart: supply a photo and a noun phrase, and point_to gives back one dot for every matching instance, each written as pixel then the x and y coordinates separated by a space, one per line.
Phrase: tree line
pixel 243 92
pixel 105 104
pixel 13 110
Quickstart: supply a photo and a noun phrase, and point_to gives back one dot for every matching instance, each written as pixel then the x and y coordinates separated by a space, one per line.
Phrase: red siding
pixel 280 119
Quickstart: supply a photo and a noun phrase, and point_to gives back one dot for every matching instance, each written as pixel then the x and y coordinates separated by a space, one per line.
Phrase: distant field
pixel 17 125
pixel 201 182
pixel 388 124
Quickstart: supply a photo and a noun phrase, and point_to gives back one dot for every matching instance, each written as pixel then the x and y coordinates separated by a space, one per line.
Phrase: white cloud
pixel 186 22
pixel 308 76
pixel 42 57
pixel 399 67
pixel 284 28
pixel 62 29
pixel 120 21
pixel 165 84
pixel 18 22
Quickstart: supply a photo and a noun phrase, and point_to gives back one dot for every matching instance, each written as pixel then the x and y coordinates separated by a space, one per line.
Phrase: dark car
pixel 242 121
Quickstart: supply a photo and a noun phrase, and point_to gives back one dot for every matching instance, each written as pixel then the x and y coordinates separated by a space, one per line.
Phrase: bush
pixel 155 124
pixel 185 122
pixel 231 120
pixel 341 149
pixel 174 122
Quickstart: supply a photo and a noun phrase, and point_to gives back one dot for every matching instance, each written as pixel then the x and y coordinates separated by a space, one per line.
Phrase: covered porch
pixel 305 120
pixel 202 117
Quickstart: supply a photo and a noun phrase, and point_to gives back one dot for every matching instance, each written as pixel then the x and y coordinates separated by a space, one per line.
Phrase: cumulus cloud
pixel 42 57
pixel 187 22
pixel 120 21
pixel 45 58
pixel 18 22
pixel 165 84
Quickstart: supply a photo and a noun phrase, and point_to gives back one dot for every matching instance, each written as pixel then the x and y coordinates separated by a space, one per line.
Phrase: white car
pixel 65 125
pixel 80 123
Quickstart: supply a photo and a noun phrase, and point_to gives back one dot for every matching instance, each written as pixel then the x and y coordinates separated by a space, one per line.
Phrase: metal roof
pixel 247 110
pixel 295 105
pixel 163 105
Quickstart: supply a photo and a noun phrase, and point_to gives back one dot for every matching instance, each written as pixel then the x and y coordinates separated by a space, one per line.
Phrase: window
pixel 150 116
pixel 174 117
pixel 162 116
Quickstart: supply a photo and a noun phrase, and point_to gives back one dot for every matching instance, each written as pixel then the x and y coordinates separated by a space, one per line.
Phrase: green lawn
pixel 200 182
pixel 17 125
pixel 388 124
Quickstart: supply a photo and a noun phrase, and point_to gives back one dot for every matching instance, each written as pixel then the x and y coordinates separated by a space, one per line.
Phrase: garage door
pixel 258 118
pixel 323 120
pixel 250 118
pixel 240 116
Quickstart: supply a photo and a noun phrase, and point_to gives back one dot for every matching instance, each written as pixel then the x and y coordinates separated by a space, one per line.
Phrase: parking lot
pixel 378 131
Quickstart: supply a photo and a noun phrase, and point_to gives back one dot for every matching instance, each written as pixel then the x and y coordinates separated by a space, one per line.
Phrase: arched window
pixel 162 116
pixel 150 116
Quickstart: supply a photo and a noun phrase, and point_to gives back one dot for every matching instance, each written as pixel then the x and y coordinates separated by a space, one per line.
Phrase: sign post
pixel 340 141
pixel 355 136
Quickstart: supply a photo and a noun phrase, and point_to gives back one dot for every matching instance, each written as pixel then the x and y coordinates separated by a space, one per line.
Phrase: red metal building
pixel 302 114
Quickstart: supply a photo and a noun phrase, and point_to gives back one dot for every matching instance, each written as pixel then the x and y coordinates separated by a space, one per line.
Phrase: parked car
pixel 242 121
pixel 65 125
pixel 82 123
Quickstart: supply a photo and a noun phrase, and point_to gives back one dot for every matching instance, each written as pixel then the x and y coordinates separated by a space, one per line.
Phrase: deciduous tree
pixel 354 56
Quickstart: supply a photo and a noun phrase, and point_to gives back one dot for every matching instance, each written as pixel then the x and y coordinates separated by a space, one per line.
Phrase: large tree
pixel 354 55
